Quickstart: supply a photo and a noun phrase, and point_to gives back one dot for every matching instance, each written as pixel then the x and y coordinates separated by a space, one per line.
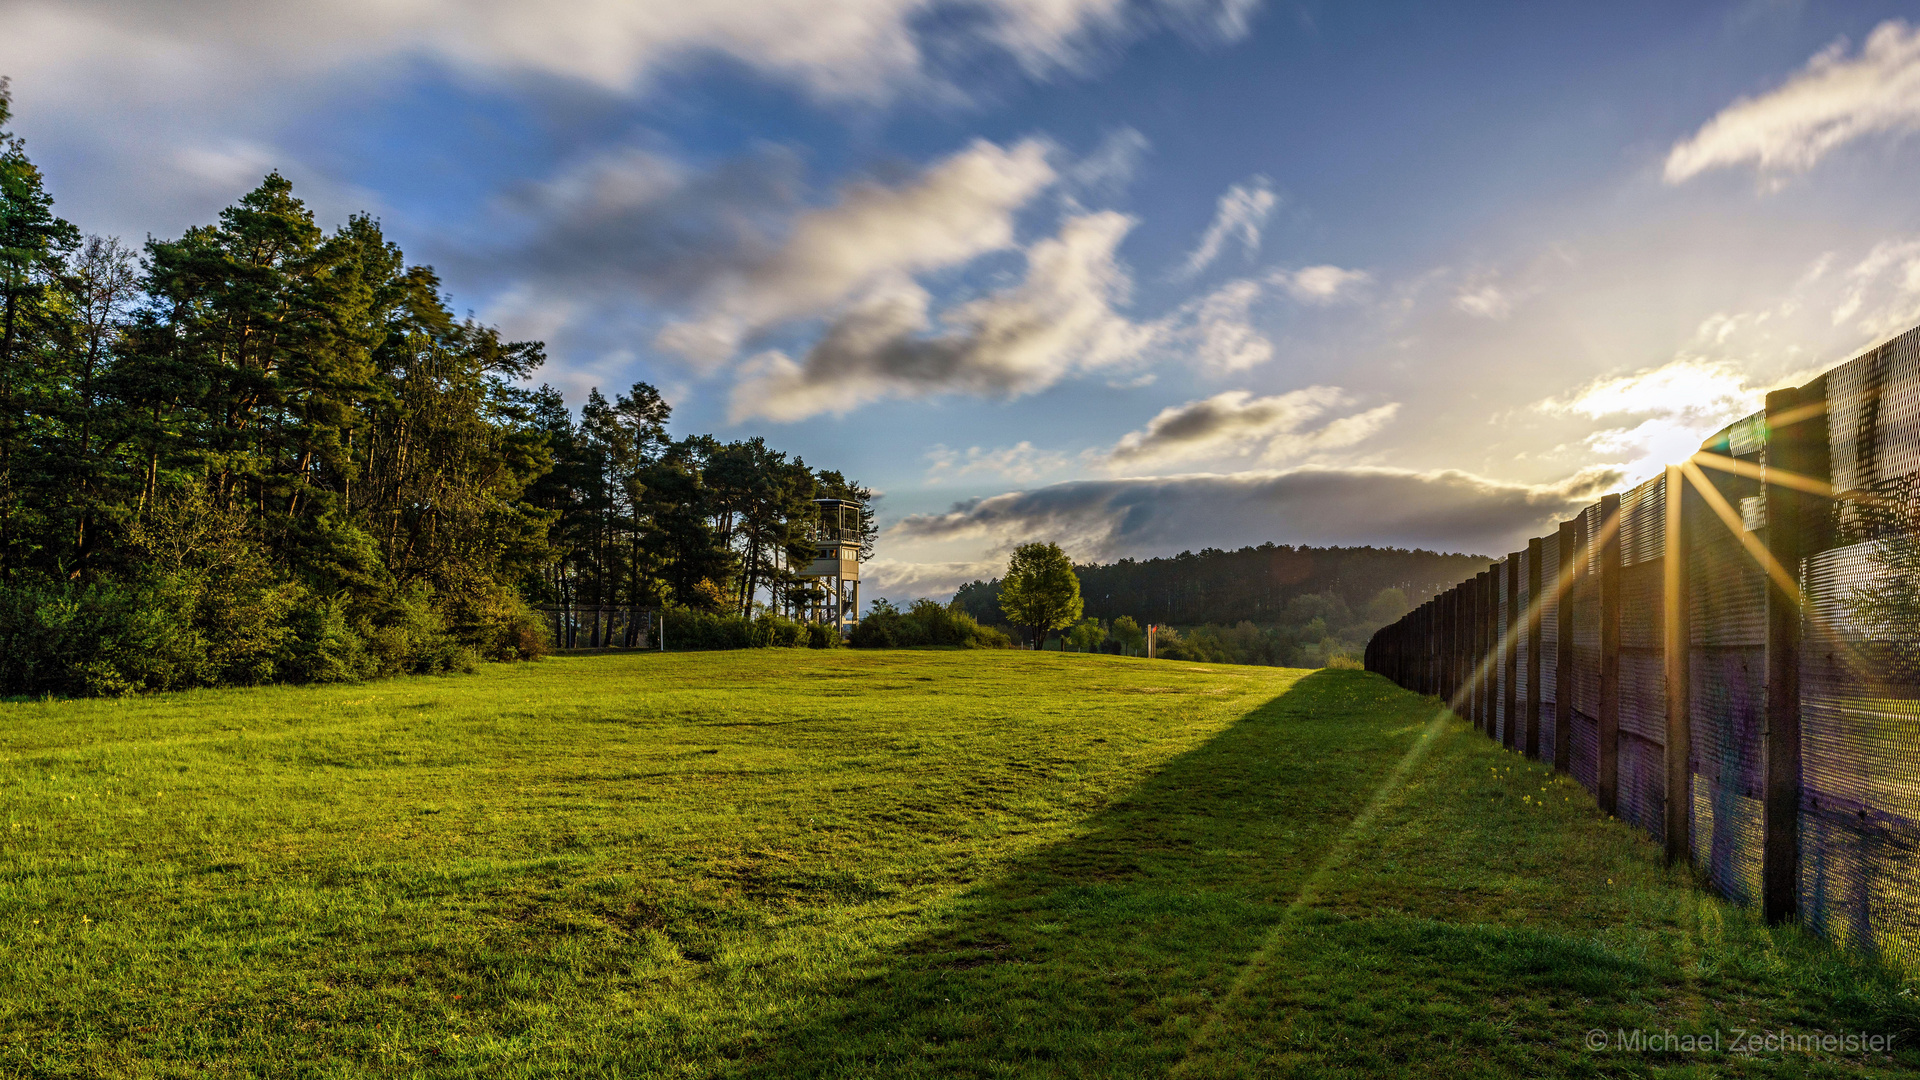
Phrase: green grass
pixel 780 864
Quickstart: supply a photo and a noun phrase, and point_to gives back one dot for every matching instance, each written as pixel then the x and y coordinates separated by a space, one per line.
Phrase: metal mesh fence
pixel 1522 692
pixel 1549 641
pixel 1790 589
pixel 1501 644
pixel 1728 607
pixel 1642 692
pixel 1583 680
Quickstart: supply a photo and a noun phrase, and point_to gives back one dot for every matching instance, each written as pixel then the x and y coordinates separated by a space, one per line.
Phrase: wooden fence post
pixel 1532 745
pixel 1796 444
pixel 1609 718
pixel 1677 639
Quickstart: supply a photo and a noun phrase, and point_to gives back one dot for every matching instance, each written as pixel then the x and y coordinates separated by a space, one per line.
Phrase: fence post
pixel 1796 438
pixel 1470 662
pixel 1419 650
pixel 1510 656
pixel 1491 656
pixel 1459 647
pixel 1426 648
pixel 1532 746
pixel 1609 718
pixel 1481 646
pixel 1453 644
pixel 1571 554
pixel 1677 640
pixel 1474 632
pixel 1433 646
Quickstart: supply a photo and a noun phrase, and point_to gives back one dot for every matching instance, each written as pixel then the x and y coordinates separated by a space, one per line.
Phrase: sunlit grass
pixel 783 864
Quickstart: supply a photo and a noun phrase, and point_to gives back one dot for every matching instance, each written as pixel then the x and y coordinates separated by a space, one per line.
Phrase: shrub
pixel 688 630
pixel 926 622
pixel 822 636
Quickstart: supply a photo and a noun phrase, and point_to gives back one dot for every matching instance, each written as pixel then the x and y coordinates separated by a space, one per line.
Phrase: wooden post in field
pixel 1532 744
pixel 1609 718
pixel 1796 444
pixel 1569 572
pixel 1510 654
pixel 1677 639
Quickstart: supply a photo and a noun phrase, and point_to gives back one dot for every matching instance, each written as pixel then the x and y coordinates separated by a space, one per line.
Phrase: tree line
pixel 267 451
pixel 1271 604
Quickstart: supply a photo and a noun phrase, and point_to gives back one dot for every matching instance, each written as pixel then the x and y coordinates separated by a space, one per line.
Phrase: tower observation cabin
pixel 835 568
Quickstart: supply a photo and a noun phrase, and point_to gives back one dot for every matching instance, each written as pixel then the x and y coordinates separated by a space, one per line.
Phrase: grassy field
pixel 780 864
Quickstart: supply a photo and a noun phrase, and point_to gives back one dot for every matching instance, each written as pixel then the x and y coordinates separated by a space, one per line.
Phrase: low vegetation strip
pixel 848 863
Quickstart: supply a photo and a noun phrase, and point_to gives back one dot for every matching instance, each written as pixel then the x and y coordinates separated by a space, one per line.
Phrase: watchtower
pixel 837 541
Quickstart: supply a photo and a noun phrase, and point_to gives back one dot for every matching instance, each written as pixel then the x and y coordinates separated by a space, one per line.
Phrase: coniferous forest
pixel 263 451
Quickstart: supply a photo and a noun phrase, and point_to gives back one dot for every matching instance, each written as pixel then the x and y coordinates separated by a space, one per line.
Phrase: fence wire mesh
pixel 1835 520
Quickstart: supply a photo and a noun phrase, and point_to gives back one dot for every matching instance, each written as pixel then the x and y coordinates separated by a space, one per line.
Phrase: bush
pixel 926 622
pixel 688 630
pixel 822 636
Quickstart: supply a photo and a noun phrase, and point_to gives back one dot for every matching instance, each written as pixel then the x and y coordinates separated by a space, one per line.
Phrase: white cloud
pixel 1111 165
pixel 1280 427
pixel 1659 415
pixel 1832 101
pixel 1484 300
pixel 1320 284
pixel 1311 504
pixel 1686 386
pixel 1882 295
pixel 956 210
pixel 903 579
pixel 1020 462
pixel 119 85
pixel 1220 327
pixel 1241 214
pixel 1059 319
pixel 849 49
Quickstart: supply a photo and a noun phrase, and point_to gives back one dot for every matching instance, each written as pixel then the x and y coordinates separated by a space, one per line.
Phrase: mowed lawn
pixel 780 864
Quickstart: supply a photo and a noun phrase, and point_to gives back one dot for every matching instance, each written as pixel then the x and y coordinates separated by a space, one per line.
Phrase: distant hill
pixel 1323 601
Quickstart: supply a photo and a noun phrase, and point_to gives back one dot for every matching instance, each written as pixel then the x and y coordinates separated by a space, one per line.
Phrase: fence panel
pixel 1549 641
pixel 1584 679
pixel 1859 873
pixel 1643 696
pixel 1824 822
pixel 1501 643
pixel 1522 623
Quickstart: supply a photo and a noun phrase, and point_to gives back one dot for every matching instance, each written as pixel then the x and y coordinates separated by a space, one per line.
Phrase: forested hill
pixel 1253 584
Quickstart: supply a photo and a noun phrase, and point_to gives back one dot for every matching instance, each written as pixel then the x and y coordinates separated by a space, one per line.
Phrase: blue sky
pixel 1136 277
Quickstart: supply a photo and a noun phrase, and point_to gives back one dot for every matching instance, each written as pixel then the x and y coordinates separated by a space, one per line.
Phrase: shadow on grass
pixel 1126 950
